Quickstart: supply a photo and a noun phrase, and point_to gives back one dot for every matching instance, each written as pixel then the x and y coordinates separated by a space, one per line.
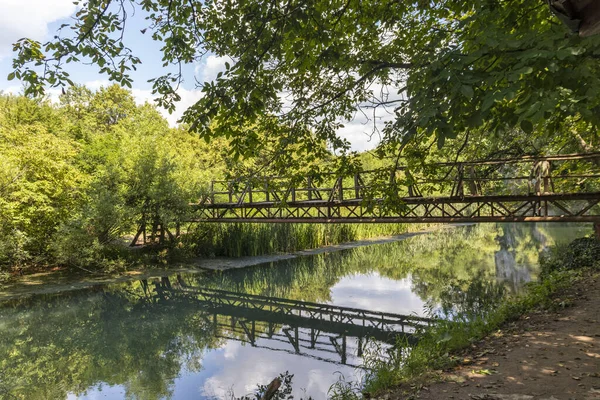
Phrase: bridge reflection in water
pixel 321 331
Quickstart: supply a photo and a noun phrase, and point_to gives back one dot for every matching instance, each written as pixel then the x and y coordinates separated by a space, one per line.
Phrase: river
pixel 218 334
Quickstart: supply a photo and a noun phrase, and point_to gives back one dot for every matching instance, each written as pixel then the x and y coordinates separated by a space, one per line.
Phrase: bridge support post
pixel 360 346
pixel 597 229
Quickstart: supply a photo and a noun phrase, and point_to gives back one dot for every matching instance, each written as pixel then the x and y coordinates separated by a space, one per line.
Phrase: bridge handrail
pixel 514 160
pixel 421 181
pixel 280 188
pixel 526 192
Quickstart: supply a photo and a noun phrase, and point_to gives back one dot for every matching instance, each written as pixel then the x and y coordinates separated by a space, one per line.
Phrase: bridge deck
pixel 566 207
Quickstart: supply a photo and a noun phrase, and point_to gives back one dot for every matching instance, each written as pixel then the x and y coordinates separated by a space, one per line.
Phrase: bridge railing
pixel 517 176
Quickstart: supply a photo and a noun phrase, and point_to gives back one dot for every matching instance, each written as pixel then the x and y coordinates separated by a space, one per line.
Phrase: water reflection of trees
pixel 432 261
pixel 486 259
pixel 54 345
pixel 50 346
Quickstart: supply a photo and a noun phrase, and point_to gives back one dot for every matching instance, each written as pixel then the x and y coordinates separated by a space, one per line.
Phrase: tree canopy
pixel 300 68
pixel 78 175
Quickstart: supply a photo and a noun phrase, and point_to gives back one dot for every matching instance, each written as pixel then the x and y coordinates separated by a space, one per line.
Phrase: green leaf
pixel 488 102
pixel 474 120
pixel 441 139
pixel 527 126
pixel 11 76
pixel 525 70
pixel 467 91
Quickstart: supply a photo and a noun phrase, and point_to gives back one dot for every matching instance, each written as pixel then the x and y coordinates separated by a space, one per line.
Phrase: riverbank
pixel 63 280
pixel 546 354
pixel 542 345
pixel 208 241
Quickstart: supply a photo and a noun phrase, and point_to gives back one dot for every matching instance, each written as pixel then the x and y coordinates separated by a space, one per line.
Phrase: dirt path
pixel 545 355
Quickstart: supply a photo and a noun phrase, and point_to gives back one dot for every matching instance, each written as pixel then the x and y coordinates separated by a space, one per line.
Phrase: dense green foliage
pixel 299 69
pixel 78 175
pixel 581 253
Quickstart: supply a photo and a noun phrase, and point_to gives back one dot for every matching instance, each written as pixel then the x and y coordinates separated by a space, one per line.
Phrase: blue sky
pixel 39 20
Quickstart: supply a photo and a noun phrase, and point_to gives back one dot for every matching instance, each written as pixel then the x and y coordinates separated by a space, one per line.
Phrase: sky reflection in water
pixel 117 342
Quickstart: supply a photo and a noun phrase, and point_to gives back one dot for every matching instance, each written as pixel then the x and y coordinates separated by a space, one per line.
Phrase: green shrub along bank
pixel 78 175
pixel 438 346
pixel 237 240
pixel 580 253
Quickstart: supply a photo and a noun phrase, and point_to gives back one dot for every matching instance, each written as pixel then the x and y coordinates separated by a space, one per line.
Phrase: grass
pixel 438 346
pixel 237 240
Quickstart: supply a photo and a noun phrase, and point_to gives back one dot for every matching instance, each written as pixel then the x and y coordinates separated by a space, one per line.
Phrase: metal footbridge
pixel 561 188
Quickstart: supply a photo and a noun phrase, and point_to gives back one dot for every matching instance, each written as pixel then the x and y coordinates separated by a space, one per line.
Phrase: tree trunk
pixel 171 237
pixel 154 230
pixel 161 239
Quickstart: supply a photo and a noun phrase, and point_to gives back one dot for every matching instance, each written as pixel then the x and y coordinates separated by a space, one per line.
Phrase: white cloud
pixel 378 293
pixel 97 84
pixel 12 89
pixel 188 98
pixel 51 94
pixel 29 18
pixel 360 133
pixel 365 129
pixel 204 72
pixel 253 366
pixel 209 69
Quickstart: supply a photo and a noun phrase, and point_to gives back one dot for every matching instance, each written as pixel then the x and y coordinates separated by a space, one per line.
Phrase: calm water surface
pixel 198 337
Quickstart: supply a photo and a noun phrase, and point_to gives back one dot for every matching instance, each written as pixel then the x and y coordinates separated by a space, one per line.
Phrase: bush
pixel 580 253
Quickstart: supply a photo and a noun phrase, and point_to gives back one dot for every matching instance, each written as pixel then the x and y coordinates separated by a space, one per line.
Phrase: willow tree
pixel 300 68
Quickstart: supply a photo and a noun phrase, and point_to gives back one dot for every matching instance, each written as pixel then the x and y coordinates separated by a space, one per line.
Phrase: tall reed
pixel 239 239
